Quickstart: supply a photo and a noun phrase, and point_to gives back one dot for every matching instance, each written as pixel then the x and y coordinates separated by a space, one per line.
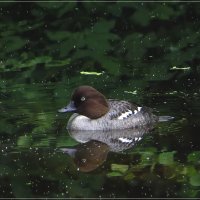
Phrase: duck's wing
pixel 122 109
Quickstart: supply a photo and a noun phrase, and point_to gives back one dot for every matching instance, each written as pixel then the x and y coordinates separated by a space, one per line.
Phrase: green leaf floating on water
pixel 113 174
pixel 194 157
pixel 166 158
pixel 91 73
pixel 180 68
pixel 147 158
pixel 195 180
pixel 119 168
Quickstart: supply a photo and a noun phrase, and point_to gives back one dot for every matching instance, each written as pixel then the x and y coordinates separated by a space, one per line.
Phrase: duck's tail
pixel 165 118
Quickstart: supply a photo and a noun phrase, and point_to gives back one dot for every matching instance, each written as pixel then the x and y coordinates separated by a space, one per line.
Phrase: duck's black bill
pixel 69 108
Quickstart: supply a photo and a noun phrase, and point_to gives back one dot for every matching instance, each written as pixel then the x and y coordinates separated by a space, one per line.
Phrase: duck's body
pixel 95 112
pixel 121 115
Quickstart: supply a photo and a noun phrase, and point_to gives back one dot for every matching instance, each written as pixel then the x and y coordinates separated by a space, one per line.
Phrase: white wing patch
pixel 138 138
pixel 125 115
pixel 139 108
pixel 125 140
pixel 129 112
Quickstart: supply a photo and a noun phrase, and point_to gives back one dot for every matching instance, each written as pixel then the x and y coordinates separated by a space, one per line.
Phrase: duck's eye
pixel 82 98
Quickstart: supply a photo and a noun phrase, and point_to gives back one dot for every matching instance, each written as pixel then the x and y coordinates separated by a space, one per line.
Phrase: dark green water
pixel 146 53
pixel 164 163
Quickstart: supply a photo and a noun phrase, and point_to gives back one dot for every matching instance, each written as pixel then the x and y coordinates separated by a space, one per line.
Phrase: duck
pixel 93 111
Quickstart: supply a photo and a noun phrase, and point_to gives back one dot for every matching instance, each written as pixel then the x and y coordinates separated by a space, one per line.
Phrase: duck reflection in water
pixel 95 145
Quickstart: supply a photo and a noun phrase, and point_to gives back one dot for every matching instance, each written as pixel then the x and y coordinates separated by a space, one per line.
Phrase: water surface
pixel 36 159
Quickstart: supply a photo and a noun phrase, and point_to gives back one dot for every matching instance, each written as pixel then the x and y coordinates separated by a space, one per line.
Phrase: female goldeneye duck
pixel 94 112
